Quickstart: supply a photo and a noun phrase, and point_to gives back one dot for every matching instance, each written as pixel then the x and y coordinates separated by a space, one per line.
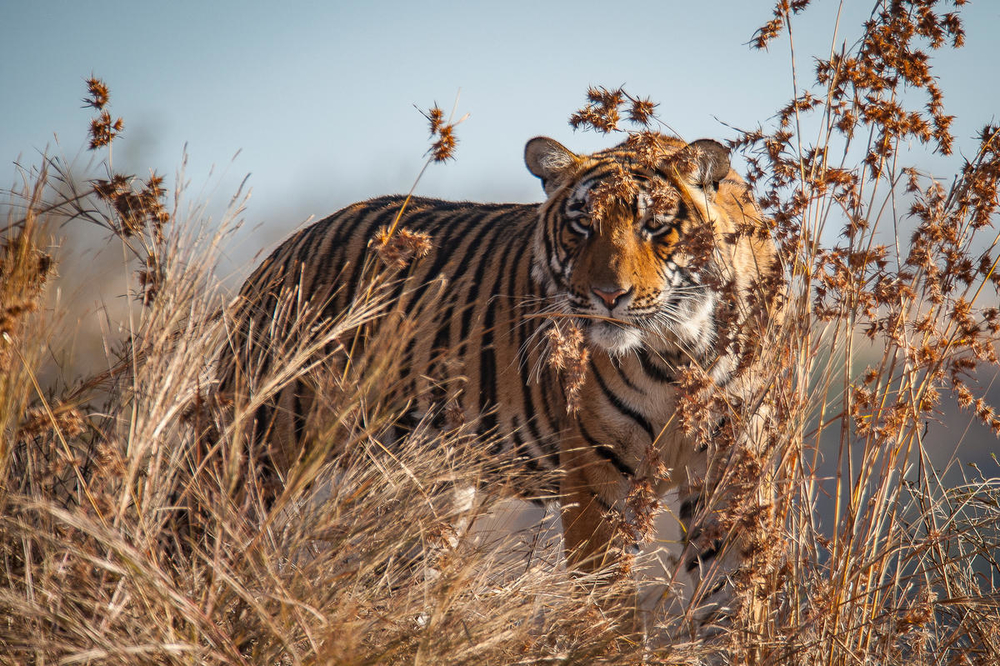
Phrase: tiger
pixel 610 253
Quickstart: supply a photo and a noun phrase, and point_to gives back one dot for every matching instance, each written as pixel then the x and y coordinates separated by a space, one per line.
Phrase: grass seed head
pixel 397 250
pixel 443 133
pixel 98 94
pixel 569 354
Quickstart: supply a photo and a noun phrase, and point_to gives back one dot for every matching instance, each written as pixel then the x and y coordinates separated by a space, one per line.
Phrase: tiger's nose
pixel 611 297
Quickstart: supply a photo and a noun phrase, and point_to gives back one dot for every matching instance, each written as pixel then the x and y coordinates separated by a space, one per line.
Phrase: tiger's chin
pixel 614 339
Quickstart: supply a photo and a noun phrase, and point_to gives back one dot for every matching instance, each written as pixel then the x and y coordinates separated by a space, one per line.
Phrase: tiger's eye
pixel 581 225
pixel 658 224
pixel 579 220
pixel 576 207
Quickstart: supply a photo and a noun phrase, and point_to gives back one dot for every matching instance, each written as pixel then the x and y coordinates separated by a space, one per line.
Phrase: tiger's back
pixel 478 332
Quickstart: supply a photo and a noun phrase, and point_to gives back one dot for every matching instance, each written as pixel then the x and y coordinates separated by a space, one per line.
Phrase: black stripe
pixel 526 328
pixel 263 419
pixel 624 377
pixel 548 242
pixel 682 213
pixel 485 255
pixel 488 393
pixel 718 587
pixel 457 226
pixel 522 268
pixel 604 505
pixel 652 370
pixel 299 255
pixel 524 383
pixel 330 268
pixel 551 417
pixel 704 556
pixel 378 218
pixel 687 508
pixel 521 449
pixel 420 214
pixel 487 355
pixel 407 360
pixel 607 452
pixel 621 406
pixel 438 354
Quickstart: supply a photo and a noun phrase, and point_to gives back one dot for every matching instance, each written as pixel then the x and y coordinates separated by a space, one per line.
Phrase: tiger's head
pixel 621 243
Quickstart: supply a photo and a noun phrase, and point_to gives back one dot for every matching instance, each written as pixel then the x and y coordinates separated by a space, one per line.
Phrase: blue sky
pixel 318 97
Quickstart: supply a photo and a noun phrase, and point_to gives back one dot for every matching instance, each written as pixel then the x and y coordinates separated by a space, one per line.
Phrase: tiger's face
pixel 618 242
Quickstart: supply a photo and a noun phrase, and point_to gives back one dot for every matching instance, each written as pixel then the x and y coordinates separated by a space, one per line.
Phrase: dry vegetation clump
pixel 891 305
pixel 134 528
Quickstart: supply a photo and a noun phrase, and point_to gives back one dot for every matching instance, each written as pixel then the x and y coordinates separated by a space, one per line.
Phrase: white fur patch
pixel 614 339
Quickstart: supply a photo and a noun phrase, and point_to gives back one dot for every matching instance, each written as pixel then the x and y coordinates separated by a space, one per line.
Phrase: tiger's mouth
pixel 614 337
pixel 686 320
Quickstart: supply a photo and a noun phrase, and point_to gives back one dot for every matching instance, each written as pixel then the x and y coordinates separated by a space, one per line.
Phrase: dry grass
pixel 132 529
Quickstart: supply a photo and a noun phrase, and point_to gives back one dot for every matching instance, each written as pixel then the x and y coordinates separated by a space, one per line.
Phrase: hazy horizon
pixel 318 99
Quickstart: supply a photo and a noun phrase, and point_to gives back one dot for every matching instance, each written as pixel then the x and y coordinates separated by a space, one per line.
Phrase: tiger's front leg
pixel 589 533
pixel 592 500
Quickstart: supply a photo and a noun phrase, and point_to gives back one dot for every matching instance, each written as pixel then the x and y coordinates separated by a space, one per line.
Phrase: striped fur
pixel 509 272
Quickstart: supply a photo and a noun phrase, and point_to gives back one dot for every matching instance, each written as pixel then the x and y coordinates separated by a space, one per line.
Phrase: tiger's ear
pixel 711 160
pixel 547 159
